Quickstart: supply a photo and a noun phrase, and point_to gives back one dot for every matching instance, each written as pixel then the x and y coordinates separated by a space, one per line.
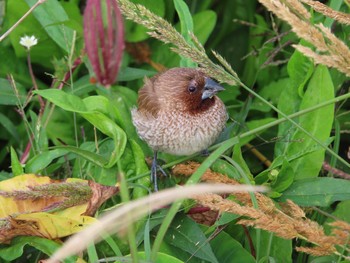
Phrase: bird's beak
pixel 210 88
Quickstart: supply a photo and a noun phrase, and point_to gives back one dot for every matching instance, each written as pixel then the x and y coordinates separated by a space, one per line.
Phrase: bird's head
pixel 186 89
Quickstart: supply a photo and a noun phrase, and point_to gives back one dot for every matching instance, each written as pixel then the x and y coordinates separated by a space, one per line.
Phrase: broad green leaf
pixel 186 235
pixel 226 218
pixel 74 13
pixel 64 100
pixel 229 250
pixel 204 24
pixel 298 68
pixel 16 166
pixel 318 123
pixel 135 32
pixel 179 253
pixel 120 111
pixel 278 250
pixel 140 168
pixel 8 96
pixel 83 86
pixel 186 28
pixel 9 126
pixel 223 167
pixel 108 127
pixel 92 109
pixel 284 178
pixel 52 17
pixel 87 155
pixel 42 160
pixel 15 249
pixel 237 156
pixel 317 191
pixel 161 258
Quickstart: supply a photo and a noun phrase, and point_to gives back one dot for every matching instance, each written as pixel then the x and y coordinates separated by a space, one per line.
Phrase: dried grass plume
pixel 328 49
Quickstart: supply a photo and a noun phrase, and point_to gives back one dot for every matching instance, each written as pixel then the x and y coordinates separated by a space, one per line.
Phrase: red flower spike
pixel 104 39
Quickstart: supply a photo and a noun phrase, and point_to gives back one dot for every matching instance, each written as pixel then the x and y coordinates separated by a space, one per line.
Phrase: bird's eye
pixel 192 88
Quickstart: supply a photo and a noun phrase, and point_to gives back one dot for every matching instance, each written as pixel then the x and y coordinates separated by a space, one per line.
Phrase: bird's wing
pixel 148 102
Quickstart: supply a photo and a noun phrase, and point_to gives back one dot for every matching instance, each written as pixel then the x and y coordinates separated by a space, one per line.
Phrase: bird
pixel 179 113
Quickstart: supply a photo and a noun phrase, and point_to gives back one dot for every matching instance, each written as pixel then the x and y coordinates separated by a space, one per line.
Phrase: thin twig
pixel 335 171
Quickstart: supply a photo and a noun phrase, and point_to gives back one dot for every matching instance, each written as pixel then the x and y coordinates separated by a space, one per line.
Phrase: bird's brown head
pixel 183 89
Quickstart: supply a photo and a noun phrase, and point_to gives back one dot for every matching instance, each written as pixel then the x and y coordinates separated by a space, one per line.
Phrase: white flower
pixel 28 42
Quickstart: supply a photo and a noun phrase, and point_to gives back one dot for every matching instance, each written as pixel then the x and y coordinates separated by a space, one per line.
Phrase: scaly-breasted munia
pixel 178 113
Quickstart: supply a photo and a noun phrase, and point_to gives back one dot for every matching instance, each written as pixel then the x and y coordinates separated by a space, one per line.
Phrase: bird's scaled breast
pixel 181 133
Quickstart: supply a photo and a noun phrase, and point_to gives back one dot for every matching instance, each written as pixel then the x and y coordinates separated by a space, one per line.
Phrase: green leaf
pixel 140 168
pixel 186 28
pixel 64 100
pixel 9 126
pixel 15 250
pixel 52 17
pixel 108 127
pixel 226 218
pixel 223 167
pixel 317 191
pixel 289 101
pixel 300 69
pixel 7 94
pixel 94 110
pixel 135 32
pixel 318 123
pixel 275 248
pixel 185 18
pixel 186 235
pixel 161 258
pixel 16 166
pixel 284 178
pixel 120 109
pixel 42 160
pixel 204 24
pixel 229 250
pixel 237 156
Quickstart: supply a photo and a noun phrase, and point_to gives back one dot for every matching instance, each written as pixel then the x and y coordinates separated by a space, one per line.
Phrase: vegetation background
pixel 70 152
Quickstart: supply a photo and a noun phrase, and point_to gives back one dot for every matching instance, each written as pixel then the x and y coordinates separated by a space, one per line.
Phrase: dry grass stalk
pixel 341 17
pixel 289 221
pixel 330 50
pixel 164 31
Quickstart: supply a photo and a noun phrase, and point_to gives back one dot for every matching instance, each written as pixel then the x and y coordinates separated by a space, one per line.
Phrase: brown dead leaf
pixel 32 205
pixel 100 193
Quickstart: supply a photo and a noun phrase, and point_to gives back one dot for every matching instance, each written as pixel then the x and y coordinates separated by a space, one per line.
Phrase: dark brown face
pixel 186 89
pixel 192 93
